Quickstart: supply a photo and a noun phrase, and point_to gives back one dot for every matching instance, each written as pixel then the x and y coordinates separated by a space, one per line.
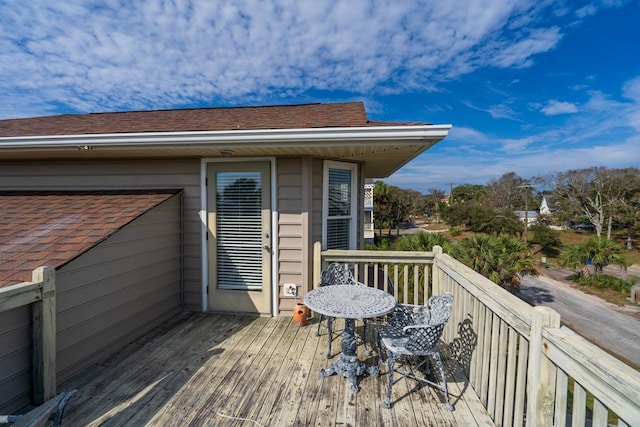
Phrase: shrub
pixel 421 242
pixel 381 244
pixel 544 236
pixel 604 281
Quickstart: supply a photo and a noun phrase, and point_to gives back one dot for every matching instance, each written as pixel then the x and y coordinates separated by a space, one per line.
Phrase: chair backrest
pixel 440 307
pixel 424 338
pixel 336 274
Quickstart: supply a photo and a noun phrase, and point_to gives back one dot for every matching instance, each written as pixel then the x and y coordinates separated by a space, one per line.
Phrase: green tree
pixel 381 206
pixel 482 219
pixel 501 259
pixel 466 193
pixel 621 186
pixel 597 194
pixel 393 205
pixel 546 237
pixel 408 205
pixel 598 251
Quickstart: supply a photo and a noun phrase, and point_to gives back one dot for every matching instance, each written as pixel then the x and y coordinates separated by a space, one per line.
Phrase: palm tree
pixel 513 262
pixel 501 259
pixel 600 251
pixel 422 242
pixel 419 242
pixel 476 252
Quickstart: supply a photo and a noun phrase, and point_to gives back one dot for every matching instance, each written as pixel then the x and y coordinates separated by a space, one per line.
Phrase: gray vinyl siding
pixel 120 289
pixel 316 201
pixel 291 224
pixel 360 213
pixel 15 359
pixel 113 293
pixel 181 174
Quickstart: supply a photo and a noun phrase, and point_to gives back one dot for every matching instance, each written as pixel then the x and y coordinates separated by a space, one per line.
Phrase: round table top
pixel 350 301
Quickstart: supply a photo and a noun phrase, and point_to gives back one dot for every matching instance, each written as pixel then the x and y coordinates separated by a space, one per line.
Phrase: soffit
pixel 380 160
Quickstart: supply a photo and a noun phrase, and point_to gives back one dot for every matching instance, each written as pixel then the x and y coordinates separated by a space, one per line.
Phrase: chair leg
pixel 390 362
pixel 319 324
pixel 444 380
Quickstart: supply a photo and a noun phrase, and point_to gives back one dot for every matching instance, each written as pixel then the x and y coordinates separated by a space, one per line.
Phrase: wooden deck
pixel 200 369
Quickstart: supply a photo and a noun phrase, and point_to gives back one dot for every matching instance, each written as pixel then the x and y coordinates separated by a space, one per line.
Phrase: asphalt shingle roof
pixel 348 114
pixel 52 228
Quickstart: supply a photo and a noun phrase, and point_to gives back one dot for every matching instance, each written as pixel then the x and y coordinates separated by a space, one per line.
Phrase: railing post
pixel 541 373
pixel 44 337
pixel 317 264
pixel 435 273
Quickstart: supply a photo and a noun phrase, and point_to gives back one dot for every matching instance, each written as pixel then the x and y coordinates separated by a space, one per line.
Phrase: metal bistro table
pixel 350 302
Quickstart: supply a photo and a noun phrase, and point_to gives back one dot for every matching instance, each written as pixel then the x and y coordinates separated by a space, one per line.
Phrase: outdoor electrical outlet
pixel 290 289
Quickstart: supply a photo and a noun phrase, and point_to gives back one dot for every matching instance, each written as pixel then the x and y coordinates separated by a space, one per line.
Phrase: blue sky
pixel 530 86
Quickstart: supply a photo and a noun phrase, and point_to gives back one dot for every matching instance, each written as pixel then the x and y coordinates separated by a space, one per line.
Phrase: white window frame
pixel 353 217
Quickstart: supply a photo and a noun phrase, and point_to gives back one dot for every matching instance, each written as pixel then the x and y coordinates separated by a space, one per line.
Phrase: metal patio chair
pixel 38 416
pixel 412 337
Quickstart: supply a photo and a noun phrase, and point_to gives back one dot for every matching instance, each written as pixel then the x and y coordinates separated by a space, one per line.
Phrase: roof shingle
pixel 348 114
pixel 52 228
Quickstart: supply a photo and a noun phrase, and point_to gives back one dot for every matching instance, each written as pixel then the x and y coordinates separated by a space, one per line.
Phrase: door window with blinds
pixel 239 230
pixel 340 208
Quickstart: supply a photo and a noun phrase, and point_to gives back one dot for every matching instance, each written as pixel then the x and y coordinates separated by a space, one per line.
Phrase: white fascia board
pixel 250 138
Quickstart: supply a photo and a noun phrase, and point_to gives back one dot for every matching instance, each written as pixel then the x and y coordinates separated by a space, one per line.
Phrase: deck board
pixel 200 370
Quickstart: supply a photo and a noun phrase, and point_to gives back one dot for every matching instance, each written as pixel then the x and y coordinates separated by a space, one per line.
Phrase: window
pixel 339 205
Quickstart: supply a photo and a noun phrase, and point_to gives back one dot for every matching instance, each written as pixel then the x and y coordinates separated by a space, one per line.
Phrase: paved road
pixel 601 322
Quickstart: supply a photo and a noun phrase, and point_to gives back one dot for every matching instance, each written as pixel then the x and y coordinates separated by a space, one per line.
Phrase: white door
pixel 239 237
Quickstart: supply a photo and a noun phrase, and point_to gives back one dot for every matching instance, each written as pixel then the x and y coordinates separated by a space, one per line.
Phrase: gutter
pixel 269 138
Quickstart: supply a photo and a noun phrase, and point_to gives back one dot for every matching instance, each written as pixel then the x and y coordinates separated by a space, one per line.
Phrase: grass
pixel 609 295
pixel 570 237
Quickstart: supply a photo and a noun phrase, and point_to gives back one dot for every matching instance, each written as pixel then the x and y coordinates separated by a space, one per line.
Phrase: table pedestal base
pixel 348 365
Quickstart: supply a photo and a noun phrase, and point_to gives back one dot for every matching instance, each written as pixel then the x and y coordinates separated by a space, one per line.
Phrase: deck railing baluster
pixel 498 322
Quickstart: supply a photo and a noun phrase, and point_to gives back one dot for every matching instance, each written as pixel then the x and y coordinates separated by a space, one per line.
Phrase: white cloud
pixel 157 54
pixel 631 89
pixel 605 133
pixel 520 53
pixel 438 167
pixel 499 111
pixel 555 107
pixel 585 11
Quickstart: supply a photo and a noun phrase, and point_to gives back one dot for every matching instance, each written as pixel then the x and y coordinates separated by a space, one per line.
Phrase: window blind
pixel 339 216
pixel 239 230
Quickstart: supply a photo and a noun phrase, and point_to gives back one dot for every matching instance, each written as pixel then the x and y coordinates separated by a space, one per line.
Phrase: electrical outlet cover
pixel 290 289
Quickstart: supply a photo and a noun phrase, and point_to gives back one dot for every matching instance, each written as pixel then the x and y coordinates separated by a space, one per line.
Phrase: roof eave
pixel 255 138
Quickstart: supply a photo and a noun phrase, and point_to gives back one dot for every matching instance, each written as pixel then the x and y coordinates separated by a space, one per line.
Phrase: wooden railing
pixel 522 364
pixel 40 293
